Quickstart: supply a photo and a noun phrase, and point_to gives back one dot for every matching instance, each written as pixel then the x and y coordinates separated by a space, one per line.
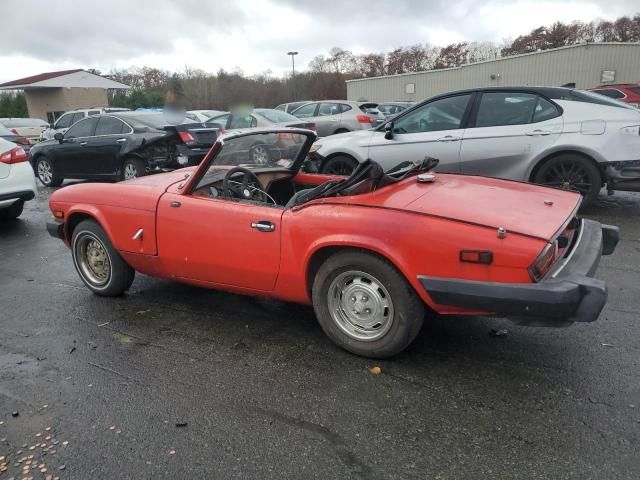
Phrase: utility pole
pixel 293 72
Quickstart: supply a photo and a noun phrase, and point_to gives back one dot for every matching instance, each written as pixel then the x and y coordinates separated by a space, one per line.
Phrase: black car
pixel 120 147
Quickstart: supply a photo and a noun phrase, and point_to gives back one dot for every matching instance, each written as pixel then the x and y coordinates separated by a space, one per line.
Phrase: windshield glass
pixel 157 120
pixel 261 150
pixel 5 131
pixel 23 122
pixel 276 116
pixel 593 97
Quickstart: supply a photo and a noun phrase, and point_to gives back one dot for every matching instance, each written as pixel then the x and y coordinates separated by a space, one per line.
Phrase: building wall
pixel 41 101
pixel 581 64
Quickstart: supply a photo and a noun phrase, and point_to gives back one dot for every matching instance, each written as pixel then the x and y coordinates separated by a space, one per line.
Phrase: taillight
pixel 15 155
pixel 364 119
pixel 13 130
pixel 285 136
pixel 544 262
pixel 186 137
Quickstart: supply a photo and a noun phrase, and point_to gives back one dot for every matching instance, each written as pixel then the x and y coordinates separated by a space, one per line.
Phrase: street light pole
pixel 293 70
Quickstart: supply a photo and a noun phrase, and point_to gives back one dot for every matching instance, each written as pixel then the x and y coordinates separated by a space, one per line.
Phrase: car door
pixel 105 145
pixel 506 132
pixel 434 129
pixel 74 151
pixel 308 113
pixel 219 241
pixel 327 118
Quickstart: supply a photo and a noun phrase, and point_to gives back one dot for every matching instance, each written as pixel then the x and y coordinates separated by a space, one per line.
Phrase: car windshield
pixel 275 116
pixel 157 120
pixel 23 122
pixel 592 97
pixel 261 150
pixel 5 131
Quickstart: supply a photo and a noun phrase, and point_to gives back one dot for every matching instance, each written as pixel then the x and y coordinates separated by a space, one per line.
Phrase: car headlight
pixel 315 147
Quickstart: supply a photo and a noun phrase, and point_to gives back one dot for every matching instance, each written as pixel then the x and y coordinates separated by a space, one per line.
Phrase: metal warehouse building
pixel 586 65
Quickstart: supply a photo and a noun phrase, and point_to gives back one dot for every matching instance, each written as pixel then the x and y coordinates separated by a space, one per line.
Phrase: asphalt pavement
pixel 174 381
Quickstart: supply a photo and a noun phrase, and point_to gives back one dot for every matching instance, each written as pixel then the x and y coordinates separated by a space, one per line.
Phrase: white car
pixel 64 122
pixel 548 135
pixel 17 181
pixel 30 128
pixel 201 116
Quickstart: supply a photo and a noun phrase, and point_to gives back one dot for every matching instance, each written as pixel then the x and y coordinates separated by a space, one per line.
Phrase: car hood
pixel 521 208
pixel 139 194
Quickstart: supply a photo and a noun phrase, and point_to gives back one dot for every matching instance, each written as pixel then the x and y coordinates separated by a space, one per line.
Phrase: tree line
pixel 326 74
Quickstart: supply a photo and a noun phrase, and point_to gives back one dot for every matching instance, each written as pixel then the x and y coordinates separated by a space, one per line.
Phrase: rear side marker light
pixel 58 214
pixel 544 262
pixel 476 256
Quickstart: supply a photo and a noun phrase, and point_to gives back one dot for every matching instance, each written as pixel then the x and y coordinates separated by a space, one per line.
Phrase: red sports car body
pixel 369 251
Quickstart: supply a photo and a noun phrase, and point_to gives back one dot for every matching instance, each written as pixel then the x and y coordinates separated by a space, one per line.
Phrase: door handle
pixel 263 226
pixel 83 143
pixel 448 138
pixel 537 133
pixel 175 204
pixel 121 140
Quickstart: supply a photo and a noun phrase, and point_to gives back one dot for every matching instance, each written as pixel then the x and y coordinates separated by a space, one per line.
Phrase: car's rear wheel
pixel 571 172
pixel 340 165
pixel 365 305
pixel 133 168
pixel 47 173
pixel 260 154
pixel 99 265
pixel 13 212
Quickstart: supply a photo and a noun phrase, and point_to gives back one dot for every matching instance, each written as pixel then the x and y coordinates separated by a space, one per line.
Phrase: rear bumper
pixel 567 294
pixel 193 155
pixel 25 195
pixel 624 175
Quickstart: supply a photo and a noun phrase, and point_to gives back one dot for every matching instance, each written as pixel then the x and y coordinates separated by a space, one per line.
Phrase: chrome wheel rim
pixel 93 260
pixel 45 173
pixel 260 155
pixel 130 171
pixel 360 306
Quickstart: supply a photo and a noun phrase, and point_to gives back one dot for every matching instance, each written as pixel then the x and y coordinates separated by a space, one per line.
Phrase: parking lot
pixel 173 381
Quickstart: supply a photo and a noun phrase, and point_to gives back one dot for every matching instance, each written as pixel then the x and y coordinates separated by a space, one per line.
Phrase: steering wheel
pixel 240 188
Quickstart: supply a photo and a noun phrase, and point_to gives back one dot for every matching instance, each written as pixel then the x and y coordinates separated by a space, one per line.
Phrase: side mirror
pixel 388 131
pixel 59 136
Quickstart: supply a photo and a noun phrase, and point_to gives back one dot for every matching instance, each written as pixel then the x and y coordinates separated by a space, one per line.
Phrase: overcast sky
pixel 254 35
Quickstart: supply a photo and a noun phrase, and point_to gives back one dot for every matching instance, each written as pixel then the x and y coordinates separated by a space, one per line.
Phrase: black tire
pixel 120 275
pixel 340 165
pixel 133 167
pixel 406 310
pixel 46 172
pixel 573 172
pixel 13 212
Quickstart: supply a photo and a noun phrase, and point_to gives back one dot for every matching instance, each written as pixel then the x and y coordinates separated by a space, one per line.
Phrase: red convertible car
pixel 372 252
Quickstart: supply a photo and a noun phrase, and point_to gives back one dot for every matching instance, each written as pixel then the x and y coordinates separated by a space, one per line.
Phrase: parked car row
pixel 554 136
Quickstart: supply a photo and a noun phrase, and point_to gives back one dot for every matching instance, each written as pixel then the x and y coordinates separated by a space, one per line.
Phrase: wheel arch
pixel 557 153
pixel 79 214
pixel 324 251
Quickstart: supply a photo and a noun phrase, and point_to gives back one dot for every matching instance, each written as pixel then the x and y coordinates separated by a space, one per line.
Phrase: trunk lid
pixel 203 134
pixel 518 207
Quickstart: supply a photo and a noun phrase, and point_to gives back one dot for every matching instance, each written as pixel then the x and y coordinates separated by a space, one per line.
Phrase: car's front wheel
pixel 340 165
pixel 365 305
pixel 47 173
pixel 99 265
pixel 133 168
pixel 571 172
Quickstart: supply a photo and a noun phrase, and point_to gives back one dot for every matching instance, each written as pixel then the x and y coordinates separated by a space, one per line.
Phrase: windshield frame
pixel 210 158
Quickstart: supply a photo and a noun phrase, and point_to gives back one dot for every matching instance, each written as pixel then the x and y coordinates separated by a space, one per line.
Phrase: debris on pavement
pixel 498 333
pixel 375 370
pixel 181 424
